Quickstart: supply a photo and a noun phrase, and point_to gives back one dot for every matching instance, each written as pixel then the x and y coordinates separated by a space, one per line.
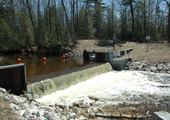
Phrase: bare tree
pixel 168 20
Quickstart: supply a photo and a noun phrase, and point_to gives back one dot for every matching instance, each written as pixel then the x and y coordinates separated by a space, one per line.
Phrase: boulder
pixel 159 67
pixel 153 69
pixel 168 64
pixel 40 113
pixel 92 115
pixel 21 118
pixel 27 113
pixel 147 70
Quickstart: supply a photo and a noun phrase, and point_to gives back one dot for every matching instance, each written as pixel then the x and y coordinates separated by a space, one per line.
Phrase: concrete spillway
pixel 39 89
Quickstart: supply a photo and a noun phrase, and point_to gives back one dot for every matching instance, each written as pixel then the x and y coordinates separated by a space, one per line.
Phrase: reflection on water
pixel 35 66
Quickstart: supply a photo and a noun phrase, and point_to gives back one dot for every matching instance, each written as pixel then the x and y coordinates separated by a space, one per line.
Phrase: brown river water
pixel 37 69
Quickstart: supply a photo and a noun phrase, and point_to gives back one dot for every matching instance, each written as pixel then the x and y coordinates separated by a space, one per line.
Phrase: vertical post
pixel 147 45
pixel 147 38
pixel 108 56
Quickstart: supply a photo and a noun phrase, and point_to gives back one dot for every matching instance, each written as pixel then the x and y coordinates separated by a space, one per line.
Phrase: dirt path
pixel 157 52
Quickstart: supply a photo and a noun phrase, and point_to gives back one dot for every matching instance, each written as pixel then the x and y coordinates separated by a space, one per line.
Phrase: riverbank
pixel 158 52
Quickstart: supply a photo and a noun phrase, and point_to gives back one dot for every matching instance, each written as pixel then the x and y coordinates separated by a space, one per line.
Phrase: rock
pixel 19 100
pixel 92 115
pixel 89 110
pixel 159 67
pixel 60 106
pixel 35 96
pixel 14 107
pixel 63 118
pixel 72 115
pixel 153 69
pixel 95 110
pixel 94 98
pixel 71 106
pixel 76 104
pixel 7 98
pixel 40 113
pixel 55 118
pixel 165 69
pixel 27 113
pixel 82 118
pixel 25 106
pixel 20 118
pixel 168 64
pixel 73 119
pixel 40 118
pixel 46 114
pixel 2 90
pixel 32 117
pixel 28 96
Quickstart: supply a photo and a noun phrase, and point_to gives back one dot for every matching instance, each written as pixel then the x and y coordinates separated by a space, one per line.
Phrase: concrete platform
pixel 161 115
pixel 119 63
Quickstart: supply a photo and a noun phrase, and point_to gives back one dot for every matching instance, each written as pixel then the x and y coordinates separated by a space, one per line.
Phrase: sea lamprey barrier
pixel 39 89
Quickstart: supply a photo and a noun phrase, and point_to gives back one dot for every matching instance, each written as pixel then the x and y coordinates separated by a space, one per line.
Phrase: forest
pixel 47 24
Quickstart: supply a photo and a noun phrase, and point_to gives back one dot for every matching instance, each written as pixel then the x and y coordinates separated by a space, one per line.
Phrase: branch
pixel 13 39
pixel 23 3
pixel 121 116
pixel 167 3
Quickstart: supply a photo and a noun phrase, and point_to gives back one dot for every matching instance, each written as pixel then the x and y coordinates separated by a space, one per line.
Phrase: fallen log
pixel 122 116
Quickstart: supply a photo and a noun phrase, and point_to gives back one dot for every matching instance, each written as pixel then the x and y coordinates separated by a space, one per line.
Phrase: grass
pixel 157 52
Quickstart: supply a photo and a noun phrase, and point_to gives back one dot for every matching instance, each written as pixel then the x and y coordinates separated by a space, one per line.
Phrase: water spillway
pixel 126 91
pixel 49 86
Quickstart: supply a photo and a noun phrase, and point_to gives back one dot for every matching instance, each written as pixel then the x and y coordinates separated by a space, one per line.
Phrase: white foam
pixel 113 88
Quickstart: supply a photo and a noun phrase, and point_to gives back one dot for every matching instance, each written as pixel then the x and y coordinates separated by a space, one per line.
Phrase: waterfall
pixel 49 86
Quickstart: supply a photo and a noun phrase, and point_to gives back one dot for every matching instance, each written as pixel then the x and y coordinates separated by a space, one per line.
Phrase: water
pixel 119 90
pixel 35 67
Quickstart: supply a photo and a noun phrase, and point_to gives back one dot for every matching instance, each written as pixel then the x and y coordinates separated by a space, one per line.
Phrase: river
pixel 37 69
pixel 130 92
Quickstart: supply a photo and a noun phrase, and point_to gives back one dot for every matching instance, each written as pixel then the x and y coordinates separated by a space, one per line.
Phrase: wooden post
pixel 147 38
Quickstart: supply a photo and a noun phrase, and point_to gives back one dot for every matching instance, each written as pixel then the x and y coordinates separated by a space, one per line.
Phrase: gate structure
pixel 13 78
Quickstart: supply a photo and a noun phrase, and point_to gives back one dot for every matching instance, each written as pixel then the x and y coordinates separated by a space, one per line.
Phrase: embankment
pixel 49 86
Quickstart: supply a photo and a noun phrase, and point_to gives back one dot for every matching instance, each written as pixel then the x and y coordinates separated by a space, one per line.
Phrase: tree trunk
pixel 77 18
pixel 49 14
pixel 73 15
pixel 86 19
pixel 66 17
pixel 56 22
pixel 28 6
pixel 131 7
pixel 14 40
pixel 168 21
pixel 144 18
pixel 169 24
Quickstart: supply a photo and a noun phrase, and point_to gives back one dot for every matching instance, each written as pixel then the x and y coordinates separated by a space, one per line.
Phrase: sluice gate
pixel 116 58
pixel 49 86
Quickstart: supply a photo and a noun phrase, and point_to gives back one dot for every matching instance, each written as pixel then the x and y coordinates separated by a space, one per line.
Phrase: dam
pixel 51 85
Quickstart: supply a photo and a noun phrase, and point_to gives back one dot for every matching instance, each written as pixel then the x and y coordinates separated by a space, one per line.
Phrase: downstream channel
pixel 129 92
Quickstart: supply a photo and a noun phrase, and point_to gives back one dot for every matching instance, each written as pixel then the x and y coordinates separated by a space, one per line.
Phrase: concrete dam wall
pixel 39 89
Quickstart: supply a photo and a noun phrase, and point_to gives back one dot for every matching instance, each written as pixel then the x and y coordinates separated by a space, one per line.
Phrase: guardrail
pixel 13 78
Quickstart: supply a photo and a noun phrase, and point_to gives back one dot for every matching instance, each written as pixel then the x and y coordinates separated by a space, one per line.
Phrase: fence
pixel 13 77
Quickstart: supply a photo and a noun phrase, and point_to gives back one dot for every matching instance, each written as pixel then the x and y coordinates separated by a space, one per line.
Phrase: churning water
pixel 115 88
